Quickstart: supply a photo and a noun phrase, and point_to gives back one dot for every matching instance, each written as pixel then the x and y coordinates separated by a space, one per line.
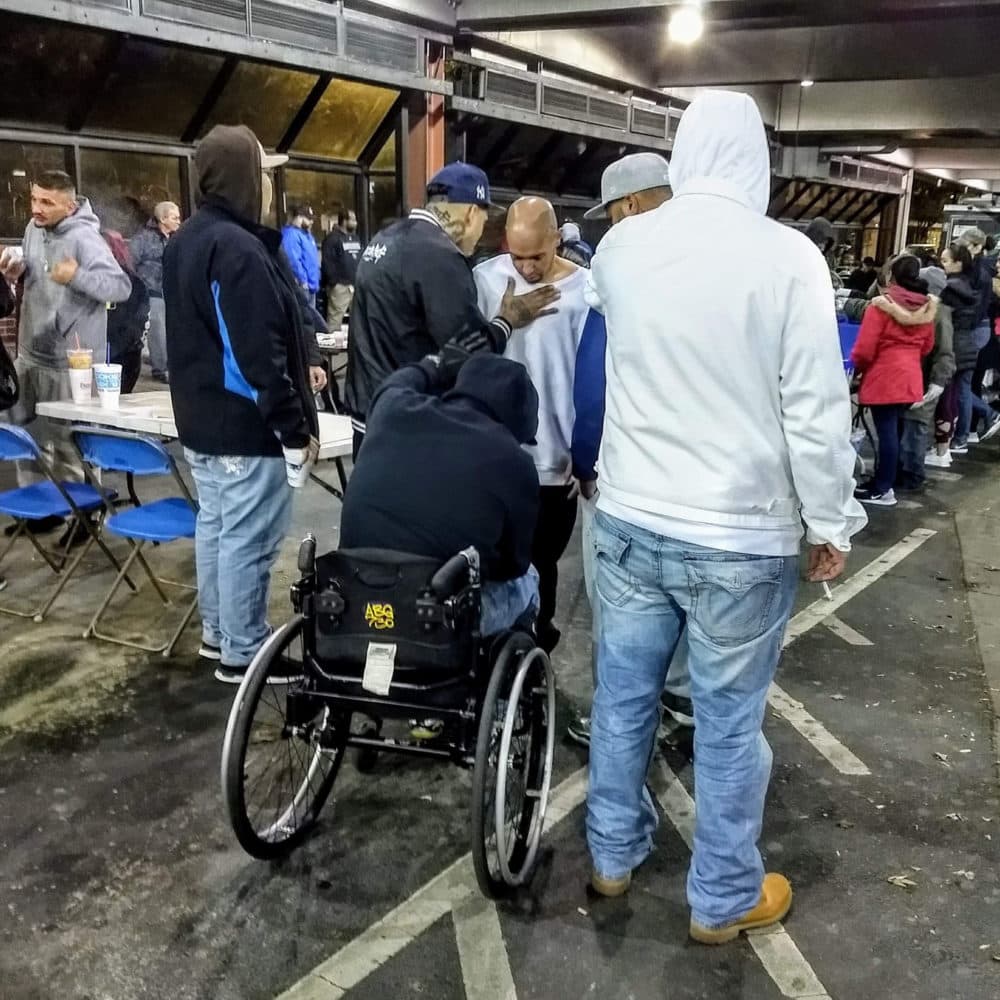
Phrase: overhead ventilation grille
pixel 376 46
pixel 308 29
pixel 511 91
pixel 123 5
pixel 229 15
pixel 673 121
pixel 564 103
pixel 646 122
pixel 608 114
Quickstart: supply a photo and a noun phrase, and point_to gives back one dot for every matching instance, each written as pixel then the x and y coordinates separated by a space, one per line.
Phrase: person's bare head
pixel 637 204
pixel 53 198
pixel 168 217
pixel 532 238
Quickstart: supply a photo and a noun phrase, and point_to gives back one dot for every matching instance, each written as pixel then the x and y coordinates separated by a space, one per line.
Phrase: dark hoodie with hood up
pixel 236 343
pixel 442 468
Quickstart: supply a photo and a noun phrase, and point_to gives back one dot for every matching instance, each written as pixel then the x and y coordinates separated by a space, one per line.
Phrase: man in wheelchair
pixel 442 468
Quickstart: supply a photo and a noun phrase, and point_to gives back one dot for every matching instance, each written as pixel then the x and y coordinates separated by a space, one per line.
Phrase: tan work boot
pixel 775 902
pixel 610 887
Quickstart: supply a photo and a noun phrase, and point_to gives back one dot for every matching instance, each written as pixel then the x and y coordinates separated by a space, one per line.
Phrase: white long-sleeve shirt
pixel 547 348
pixel 727 416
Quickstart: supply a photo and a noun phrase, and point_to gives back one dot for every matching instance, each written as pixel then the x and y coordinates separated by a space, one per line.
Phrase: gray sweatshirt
pixel 54 315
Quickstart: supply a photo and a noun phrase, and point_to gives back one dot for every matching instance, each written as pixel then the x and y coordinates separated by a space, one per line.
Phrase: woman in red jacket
pixel 888 357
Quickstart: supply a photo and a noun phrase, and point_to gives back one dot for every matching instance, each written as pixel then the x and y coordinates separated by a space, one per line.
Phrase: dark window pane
pixel 45 67
pixel 344 120
pixel 384 207
pixel 124 187
pixel 19 163
pixel 153 89
pixel 386 159
pixel 327 194
pixel 263 98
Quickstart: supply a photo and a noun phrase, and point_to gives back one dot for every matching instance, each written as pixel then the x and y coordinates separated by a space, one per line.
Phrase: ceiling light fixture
pixel 686 24
pixel 808 83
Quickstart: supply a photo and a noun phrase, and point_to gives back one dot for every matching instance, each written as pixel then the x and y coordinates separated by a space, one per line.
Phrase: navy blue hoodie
pixel 443 468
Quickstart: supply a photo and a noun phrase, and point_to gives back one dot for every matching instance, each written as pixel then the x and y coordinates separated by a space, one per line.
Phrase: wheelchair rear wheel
pixel 513 769
pixel 282 751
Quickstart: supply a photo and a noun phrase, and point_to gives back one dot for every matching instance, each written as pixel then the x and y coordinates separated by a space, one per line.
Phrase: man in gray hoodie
pixel 69 278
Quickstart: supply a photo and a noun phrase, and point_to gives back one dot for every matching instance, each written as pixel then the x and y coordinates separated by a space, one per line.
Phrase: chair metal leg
pixel 92 627
pixel 183 625
pixel 152 576
pixel 64 576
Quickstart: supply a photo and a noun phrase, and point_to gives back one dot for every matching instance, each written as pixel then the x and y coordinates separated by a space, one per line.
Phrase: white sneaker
pixel 994 428
pixel 973 438
pixel 936 461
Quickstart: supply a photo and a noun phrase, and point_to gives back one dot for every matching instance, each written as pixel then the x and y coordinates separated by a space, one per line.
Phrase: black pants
pixel 556 520
pixel 359 440
pixel 131 363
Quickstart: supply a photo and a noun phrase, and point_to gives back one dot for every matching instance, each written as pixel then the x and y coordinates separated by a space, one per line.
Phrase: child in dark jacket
pixel 888 356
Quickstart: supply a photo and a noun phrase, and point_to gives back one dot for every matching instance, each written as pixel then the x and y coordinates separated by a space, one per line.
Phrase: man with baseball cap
pixel 415 292
pixel 632 185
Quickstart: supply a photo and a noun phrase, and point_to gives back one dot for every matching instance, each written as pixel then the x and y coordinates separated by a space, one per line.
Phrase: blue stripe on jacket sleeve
pixel 589 384
pixel 232 377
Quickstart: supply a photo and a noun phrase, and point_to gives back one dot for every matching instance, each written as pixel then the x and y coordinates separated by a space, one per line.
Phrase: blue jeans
pixel 913 447
pixel 735 608
pixel 970 406
pixel 886 417
pixel 244 512
pixel 505 601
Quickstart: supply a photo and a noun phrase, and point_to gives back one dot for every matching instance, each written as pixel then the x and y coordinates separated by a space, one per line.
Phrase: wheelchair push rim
pixel 513 774
pixel 282 750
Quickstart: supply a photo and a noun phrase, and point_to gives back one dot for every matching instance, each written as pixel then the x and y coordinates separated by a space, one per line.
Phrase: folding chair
pixel 48 498
pixel 161 521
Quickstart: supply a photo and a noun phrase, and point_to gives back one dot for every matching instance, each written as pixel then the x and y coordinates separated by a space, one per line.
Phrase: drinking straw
pixel 76 337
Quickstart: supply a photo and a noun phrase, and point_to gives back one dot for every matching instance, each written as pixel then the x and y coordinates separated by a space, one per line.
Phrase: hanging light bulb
pixel 686 24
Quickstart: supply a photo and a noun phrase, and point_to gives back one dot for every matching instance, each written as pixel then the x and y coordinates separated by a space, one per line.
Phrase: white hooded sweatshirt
pixel 728 416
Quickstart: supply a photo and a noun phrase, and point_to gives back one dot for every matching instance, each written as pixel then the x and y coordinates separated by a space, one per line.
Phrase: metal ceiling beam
pixel 858 198
pixel 862 205
pixel 381 135
pixel 298 123
pixel 91 88
pixel 812 203
pixel 881 206
pixel 208 102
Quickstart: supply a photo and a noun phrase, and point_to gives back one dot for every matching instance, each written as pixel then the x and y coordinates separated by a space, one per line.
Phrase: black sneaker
pixel 681 710
pixel 230 675
pixel 41 526
pixel 209 651
pixel 579 730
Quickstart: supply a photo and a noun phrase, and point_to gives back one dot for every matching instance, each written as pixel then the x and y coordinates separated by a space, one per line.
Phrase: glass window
pixel 328 195
pixel 344 120
pixel 45 66
pixel 19 163
pixel 264 98
pixel 153 89
pixel 383 201
pixel 386 159
pixel 124 187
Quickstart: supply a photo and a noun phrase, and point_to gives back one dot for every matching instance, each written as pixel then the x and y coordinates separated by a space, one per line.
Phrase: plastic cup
pixel 81 377
pixel 109 385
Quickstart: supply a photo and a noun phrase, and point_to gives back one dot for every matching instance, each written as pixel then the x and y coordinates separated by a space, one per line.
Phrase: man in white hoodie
pixel 727 426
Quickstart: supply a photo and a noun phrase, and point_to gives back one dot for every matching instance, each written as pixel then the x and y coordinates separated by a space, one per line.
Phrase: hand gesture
pixel 520 310
pixel 12 264
pixel 317 378
pixel 65 271
pixel 825 563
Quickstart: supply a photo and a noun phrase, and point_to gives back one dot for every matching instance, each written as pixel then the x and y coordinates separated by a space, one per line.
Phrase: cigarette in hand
pixel 827 591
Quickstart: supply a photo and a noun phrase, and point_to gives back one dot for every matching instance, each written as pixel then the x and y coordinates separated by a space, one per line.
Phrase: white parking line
pixel 778 953
pixel 371 949
pixel 481 951
pixel 844 631
pixel 817 613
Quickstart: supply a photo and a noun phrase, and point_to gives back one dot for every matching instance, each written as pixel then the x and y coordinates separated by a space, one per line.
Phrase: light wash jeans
pixel 157 336
pixel 505 602
pixel 244 512
pixel 735 608
pixel 678 681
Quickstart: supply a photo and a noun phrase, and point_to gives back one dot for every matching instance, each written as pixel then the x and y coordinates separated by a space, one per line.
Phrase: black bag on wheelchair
pixel 370 597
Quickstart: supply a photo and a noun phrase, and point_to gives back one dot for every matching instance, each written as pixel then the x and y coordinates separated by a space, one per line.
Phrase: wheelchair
pixel 377 636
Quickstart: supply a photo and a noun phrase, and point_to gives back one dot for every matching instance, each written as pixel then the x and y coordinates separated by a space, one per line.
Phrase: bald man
pixel 547 347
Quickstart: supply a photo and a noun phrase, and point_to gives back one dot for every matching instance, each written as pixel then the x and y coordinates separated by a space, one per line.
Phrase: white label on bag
pixel 380 665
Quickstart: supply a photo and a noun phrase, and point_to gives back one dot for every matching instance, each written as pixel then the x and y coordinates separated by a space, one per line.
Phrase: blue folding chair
pixel 48 498
pixel 161 521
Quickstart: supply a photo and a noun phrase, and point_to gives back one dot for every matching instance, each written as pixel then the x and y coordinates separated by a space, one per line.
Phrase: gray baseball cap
pixel 630 175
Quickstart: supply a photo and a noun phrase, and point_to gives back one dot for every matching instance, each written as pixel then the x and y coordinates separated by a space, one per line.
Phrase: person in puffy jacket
pixel 888 356
pixel 303 254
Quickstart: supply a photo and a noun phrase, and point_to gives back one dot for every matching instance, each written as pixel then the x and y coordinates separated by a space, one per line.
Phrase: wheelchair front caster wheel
pixel 368 756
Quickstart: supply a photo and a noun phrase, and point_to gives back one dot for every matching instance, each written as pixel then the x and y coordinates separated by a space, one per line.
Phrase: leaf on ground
pixel 957 817
pixel 837 697
pixel 943 757
pixel 845 824
pixel 901 881
pixel 961 873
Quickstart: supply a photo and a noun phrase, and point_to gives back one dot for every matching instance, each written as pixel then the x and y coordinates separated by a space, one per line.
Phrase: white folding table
pixel 153 413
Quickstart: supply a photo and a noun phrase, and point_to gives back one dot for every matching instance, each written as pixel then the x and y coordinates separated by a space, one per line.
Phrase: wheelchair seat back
pixel 372 596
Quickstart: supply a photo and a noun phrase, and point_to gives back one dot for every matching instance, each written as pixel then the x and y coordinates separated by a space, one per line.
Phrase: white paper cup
pixel 109 385
pixel 81 381
pixel 297 466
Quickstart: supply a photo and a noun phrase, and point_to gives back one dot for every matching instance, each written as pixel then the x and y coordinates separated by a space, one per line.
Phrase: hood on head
pixel 228 164
pixel 502 388
pixel 936 279
pixel 721 148
pixel 821 232
pixel 83 218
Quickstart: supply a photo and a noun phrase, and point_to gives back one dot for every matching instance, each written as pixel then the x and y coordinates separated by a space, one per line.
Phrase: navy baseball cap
pixel 461 183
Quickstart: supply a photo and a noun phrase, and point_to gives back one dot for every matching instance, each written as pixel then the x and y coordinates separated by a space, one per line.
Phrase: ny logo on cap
pixel 481 193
